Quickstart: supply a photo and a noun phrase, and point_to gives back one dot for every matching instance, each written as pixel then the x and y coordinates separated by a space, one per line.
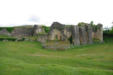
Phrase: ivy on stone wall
pixel 47 29
pixel 95 28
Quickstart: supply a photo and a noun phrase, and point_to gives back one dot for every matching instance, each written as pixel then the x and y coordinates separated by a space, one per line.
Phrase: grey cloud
pixel 34 19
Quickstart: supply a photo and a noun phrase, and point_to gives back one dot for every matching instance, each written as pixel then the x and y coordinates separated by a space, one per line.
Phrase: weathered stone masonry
pixel 76 35
pixel 80 35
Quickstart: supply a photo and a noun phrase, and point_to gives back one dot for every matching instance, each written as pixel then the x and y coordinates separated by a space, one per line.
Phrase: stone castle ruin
pixel 59 35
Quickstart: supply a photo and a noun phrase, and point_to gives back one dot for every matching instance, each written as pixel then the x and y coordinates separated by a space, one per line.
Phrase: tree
pixel 91 23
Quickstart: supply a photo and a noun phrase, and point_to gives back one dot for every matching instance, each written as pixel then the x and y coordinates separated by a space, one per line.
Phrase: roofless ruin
pixel 58 36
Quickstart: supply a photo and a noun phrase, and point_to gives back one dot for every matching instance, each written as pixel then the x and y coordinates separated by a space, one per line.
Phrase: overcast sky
pixel 19 12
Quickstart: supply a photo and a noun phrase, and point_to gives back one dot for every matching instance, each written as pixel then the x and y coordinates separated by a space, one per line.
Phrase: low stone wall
pixel 56 45
pixel 22 32
pixel 4 32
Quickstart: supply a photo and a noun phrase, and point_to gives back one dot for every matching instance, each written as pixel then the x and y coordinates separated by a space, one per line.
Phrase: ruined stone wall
pixel 42 38
pixel 38 30
pixel 4 32
pixel 79 35
pixel 68 31
pixel 89 34
pixel 55 35
pixel 22 32
pixel 76 35
pixel 56 32
pixel 82 35
pixel 97 33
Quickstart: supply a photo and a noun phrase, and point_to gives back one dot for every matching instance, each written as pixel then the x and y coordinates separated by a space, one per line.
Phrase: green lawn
pixel 29 58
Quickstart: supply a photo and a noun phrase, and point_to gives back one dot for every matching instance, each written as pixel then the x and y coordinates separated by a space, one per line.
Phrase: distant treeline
pixel 108 32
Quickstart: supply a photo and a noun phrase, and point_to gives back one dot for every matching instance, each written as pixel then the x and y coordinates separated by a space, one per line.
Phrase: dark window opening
pixel 70 40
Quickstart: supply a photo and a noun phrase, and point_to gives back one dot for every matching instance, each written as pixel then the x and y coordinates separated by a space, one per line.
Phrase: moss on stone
pixel 82 24
pixel 95 40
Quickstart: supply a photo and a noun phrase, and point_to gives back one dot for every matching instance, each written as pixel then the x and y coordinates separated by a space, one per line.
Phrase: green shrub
pixel 108 31
pixel 91 23
pixel 9 29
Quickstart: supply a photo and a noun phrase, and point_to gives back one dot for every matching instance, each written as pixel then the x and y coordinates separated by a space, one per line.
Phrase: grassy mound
pixel 57 45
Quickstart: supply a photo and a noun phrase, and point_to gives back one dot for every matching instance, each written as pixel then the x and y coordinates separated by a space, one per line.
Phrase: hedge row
pixel 12 39
pixel 9 29
pixel 9 39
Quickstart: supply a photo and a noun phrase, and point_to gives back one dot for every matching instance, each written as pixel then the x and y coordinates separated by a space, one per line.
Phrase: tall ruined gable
pixel 57 25
pixel 60 31
pixel 56 31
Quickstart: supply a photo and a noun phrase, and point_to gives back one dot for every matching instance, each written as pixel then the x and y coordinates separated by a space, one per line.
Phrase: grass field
pixel 29 58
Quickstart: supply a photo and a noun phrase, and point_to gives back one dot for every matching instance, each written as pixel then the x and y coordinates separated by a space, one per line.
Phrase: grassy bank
pixel 29 58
